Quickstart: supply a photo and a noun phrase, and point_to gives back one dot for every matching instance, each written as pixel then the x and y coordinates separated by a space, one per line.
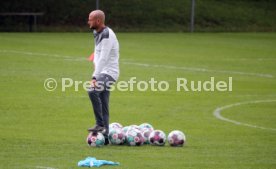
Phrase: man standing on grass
pixel 106 70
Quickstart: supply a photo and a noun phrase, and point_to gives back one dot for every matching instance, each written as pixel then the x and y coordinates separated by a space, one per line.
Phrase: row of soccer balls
pixel 136 135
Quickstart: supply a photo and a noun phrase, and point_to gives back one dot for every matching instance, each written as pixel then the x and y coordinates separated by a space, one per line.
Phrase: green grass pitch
pixel 42 129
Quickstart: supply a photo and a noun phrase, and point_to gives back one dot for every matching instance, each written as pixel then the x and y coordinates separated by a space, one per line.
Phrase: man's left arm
pixel 104 56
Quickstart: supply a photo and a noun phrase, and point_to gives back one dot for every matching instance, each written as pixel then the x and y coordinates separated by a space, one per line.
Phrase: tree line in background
pixel 143 15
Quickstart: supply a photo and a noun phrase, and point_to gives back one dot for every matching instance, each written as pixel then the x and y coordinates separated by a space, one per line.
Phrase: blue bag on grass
pixel 93 162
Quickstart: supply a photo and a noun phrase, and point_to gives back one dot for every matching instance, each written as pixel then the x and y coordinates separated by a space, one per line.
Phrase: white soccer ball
pixel 134 137
pixel 146 133
pixel 157 137
pixel 146 129
pixel 116 136
pixel 134 126
pixel 95 139
pixel 125 129
pixel 146 125
pixel 176 138
pixel 115 125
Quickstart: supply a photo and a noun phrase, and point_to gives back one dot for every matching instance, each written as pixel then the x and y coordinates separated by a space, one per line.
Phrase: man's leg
pixel 97 106
pixel 105 110
pixel 104 96
pixel 101 116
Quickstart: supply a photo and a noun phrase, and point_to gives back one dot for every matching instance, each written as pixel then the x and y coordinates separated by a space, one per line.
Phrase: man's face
pixel 92 22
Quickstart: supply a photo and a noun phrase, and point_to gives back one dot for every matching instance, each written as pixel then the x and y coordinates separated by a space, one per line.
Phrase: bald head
pixel 96 20
pixel 98 14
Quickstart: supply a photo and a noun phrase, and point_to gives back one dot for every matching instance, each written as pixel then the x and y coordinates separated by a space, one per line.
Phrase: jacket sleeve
pixel 104 56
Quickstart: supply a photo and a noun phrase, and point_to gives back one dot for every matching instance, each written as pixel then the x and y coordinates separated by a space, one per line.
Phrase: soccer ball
pixel 125 129
pixel 146 130
pixel 146 125
pixel 146 133
pixel 134 127
pixel 134 137
pixel 176 138
pixel 95 139
pixel 157 137
pixel 115 125
pixel 116 136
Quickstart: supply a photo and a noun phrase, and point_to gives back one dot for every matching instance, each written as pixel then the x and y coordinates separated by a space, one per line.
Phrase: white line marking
pixel 33 53
pixel 217 114
pixel 193 69
pixel 254 95
pixel 72 96
pixel 44 167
